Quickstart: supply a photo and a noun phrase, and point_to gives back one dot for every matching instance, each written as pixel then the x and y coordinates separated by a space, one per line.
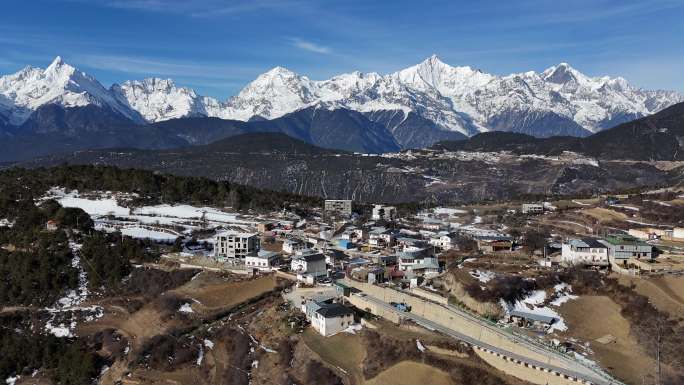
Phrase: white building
pixel 380 238
pixel 328 318
pixel 292 246
pixel 532 208
pixel 584 252
pixel 234 244
pixel 309 265
pixel 264 260
pixel 444 241
pixel 382 212
pixel 340 206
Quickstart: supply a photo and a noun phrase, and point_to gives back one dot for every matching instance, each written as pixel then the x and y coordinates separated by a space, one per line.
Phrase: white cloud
pixel 309 46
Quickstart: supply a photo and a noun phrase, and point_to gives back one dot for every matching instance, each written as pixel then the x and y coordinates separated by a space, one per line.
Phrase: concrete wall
pixel 448 318
pixel 365 304
pixel 520 370
pixel 435 297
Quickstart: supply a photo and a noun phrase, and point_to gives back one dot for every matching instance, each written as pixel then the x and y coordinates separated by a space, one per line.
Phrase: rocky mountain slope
pixel 278 162
pixel 656 137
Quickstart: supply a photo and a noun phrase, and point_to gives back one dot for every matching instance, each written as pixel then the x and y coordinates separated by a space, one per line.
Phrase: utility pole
pixel 659 337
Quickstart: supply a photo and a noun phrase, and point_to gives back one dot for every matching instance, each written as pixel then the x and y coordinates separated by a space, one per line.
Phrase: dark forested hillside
pixel 152 187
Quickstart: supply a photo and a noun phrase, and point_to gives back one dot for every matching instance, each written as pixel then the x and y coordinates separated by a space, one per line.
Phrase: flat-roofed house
pixel 235 245
pixel 309 266
pixel 263 260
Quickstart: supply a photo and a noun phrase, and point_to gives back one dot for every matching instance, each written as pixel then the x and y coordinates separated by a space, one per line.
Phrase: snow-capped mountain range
pixel 559 100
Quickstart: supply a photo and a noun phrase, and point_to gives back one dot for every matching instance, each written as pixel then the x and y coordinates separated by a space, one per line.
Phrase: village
pixel 496 276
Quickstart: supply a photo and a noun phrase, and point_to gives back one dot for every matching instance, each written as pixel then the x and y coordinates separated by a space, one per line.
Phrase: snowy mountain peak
pixel 56 62
pixel 559 100
pixel 561 74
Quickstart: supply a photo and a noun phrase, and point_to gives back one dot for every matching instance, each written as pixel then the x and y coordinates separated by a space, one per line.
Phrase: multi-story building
pixel 328 318
pixel 382 212
pixel 585 251
pixel 622 247
pixel 380 238
pixel 292 246
pixel 444 241
pixel 235 245
pixel 340 206
pixel 309 265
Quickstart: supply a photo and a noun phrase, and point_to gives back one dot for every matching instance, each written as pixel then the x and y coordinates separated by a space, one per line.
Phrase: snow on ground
pixel 626 207
pixel 483 276
pixel 143 233
pixel 563 295
pixel 352 329
pixel 4 222
pixel 61 330
pixel 580 203
pixel 201 356
pixel 209 344
pixel 643 223
pixel 420 346
pixel 433 180
pixel 534 304
pixel 101 205
pixel 186 308
pixel 11 380
pixel 449 211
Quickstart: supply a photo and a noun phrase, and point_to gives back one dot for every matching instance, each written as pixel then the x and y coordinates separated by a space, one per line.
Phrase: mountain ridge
pixel 560 100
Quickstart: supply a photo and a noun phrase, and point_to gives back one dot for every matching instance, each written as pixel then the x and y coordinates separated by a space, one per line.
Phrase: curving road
pixel 572 368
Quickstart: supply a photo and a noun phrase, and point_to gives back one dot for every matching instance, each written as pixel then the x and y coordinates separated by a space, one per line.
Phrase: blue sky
pixel 217 46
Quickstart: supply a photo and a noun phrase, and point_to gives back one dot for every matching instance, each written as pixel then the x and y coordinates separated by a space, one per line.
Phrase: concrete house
pixel 382 212
pixel 309 266
pixel 444 241
pixel 263 260
pixel 493 243
pixel 328 318
pixel 235 245
pixel 622 247
pixel 339 206
pixel 292 246
pixel 586 251
pixel 380 238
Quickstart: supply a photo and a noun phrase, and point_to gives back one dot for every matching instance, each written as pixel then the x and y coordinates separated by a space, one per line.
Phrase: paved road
pixel 578 370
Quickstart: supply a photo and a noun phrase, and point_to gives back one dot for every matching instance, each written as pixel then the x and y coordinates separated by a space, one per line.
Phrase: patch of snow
pixel 534 304
pixel 563 295
pixel 352 329
pixel 186 308
pixel 143 233
pixel 11 380
pixel 626 207
pixel 420 346
pixel 483 276
pixel 200 357
pixel 209 344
